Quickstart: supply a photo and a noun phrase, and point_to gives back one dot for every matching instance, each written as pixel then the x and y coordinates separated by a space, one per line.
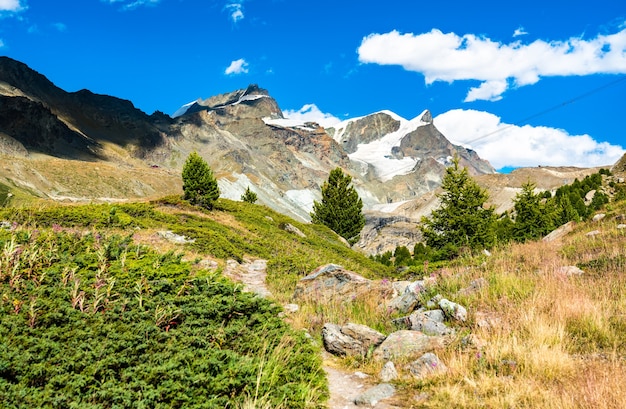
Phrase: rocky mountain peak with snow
pixel 228 104
pixel 243 135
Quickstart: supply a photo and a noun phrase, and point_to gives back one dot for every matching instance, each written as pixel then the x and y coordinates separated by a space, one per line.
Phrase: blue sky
pixel 523 83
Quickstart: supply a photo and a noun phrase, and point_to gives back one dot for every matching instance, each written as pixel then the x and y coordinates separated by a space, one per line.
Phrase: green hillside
pixel 98 313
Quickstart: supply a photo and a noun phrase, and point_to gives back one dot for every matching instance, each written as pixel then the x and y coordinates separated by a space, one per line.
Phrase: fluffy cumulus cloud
pixel 236 11
pixel 311 113
pixel 239 66
pixel 450 57
pixel 505 145
pixel 11 6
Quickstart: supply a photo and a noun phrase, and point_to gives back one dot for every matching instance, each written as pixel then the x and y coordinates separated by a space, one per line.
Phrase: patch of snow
pixel 368 198
pixel 249 97
pixel 284 122
pixel 182 110
pixel 378 152
pixel 389 207
pixel 445 161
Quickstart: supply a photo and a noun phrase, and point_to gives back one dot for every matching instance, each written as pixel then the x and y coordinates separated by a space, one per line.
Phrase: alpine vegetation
pixel 199 184
pixel 341 207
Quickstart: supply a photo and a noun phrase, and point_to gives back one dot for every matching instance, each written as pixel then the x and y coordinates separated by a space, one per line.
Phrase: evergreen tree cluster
pixel 463 221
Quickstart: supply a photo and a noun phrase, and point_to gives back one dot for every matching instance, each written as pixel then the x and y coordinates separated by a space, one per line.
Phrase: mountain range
pixel 81 146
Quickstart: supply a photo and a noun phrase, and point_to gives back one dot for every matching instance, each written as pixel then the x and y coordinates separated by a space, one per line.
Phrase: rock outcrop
pixel 405 343
pixel 331 282
pixel 350 339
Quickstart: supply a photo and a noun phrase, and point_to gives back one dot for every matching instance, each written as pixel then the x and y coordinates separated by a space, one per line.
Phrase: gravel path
pixel 343 386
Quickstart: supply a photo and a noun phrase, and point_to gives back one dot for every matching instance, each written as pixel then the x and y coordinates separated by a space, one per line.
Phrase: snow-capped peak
pixel 183 110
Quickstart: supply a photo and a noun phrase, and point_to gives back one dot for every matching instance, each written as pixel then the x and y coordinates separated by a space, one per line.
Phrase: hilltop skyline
pixel 541 84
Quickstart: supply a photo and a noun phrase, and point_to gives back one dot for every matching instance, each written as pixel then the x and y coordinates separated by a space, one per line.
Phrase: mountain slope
pixel 122 153
pixel 242 135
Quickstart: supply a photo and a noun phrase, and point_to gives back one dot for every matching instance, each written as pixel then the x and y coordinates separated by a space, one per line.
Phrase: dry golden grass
pixel 552 341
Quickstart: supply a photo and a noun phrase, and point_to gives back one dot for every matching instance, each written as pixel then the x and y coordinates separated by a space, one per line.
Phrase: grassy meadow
pixel 98 311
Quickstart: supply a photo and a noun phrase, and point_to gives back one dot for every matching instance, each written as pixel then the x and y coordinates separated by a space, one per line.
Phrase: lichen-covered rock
pixel 331 282
pixel 389 372
pixel 429 324
pixel 373 395
pixel 559 232
pixel 570 271
pixel 427 364
pixel 409 299
pixel 453 310
pixel 406 343
pixel 598 217
pixel 351 339
pixel 474 286
pixel 290 228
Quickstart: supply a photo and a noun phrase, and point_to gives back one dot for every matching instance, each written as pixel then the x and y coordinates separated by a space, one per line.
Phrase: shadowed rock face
pixel 94 118
pixel 37 129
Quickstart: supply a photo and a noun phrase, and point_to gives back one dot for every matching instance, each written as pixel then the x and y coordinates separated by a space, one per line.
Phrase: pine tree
pixel 341 207
pixel 565 210
pixel 249 196
pixel 461 220
pixel 199 185
pixel 534 216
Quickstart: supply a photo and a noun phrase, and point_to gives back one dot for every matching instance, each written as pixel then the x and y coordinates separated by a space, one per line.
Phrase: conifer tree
pixel 341 207
pixel 249 196
pixel 534 216
pixel 461 220
pixel 199 185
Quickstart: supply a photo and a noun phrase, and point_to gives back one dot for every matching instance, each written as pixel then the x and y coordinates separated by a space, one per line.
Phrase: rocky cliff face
pixel 29 126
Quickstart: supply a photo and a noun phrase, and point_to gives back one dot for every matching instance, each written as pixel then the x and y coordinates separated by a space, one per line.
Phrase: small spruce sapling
pixel 249 196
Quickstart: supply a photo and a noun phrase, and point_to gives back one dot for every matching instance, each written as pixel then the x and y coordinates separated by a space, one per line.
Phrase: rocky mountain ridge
pixel 50 137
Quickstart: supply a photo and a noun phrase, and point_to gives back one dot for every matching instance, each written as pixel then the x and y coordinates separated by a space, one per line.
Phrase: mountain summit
pixel 243 135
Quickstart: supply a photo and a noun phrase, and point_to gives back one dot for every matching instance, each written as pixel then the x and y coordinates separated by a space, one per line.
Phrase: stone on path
pixel 375 394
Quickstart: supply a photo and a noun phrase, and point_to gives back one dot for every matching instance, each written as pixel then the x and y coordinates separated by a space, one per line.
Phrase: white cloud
pixel 488 91
pixel 519 32
pixel 133 4
pixel 10 5
pixel 505 145
pixel 311 113
pixel 236 11
pixel 450 57
pixel 1 43
pixel 239 66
